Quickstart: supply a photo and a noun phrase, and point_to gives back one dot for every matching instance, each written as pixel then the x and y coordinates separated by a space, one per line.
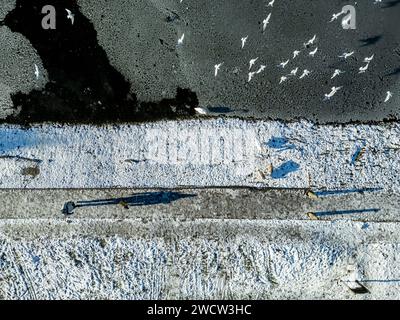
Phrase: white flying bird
pixel 389 95
pixel 283 79
pixel 295 53
pixel 346 55
pixel 305 73
pixel 271 3
pixel 294 72
pixel 312 53
pixel 266 21
pixel 311 41
pixel 70 16
pixel 201 111
pixel 377 1
pixel 261 69
pixel 244 40
pixel 36 71
pixel 180 40
pixel 283 64
pixel 335 16
pixel 369 59
pixel 334 90
pixel 337 73
pixel 364 69
pixel 216 68
pixel 252 62
pixel 251 75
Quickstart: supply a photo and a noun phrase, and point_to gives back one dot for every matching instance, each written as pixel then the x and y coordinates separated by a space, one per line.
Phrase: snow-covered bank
pixel 217 152
pixel 202 259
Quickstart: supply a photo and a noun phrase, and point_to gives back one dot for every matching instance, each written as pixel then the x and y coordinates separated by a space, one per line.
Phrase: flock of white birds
pixel 294 72
pixel 312 53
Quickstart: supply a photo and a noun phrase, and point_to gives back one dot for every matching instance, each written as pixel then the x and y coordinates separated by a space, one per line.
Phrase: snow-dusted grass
pixel 217 152
pixel 199 259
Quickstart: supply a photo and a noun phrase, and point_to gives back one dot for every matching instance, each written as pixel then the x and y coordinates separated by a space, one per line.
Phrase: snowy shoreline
pixel 201 153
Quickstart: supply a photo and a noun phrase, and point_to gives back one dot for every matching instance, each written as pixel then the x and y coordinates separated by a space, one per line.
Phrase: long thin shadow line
pixel 134 196
pixel 343 212
pixel 380 281
pixel 137 199
pixel 345 191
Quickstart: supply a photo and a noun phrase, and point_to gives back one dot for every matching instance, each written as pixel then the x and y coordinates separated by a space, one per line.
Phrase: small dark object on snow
pixel 68 208
pixel 124 204
pixel 359 288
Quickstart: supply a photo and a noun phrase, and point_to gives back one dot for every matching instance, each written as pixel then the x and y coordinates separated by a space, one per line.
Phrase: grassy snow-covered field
pixel 216 152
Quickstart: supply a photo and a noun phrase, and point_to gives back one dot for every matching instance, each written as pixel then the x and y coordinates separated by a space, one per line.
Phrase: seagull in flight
pixel 295 53
pixel 36 71
pixel 312 53
pixel 216 68
pixel 70 16
pixel 369 59
pixel 244 40
pixel 283 79
pixel 294 72
pixel 283 64
pixel 180 40
pixel 305 73
pixel 261 69
pixel 251 75
pixel 311 41
pixel 389 95
pixel 337 73
pixel 334 90
pixel 363 69
pixel 201 111
pixel 335 16
pixel 346 55
pixel 271 3
pixel 252 62
pixel 266 22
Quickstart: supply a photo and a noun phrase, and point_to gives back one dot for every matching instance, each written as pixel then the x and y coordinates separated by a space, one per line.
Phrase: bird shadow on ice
pixel 138 199
pixel 395 72
pixel 370 41
pixel 220 109
pixel 390 4
pixel 14 139
pixel 284 170
pixel 280 144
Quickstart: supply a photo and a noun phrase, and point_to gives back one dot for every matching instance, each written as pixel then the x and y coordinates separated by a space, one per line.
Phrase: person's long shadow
pixel 138 199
